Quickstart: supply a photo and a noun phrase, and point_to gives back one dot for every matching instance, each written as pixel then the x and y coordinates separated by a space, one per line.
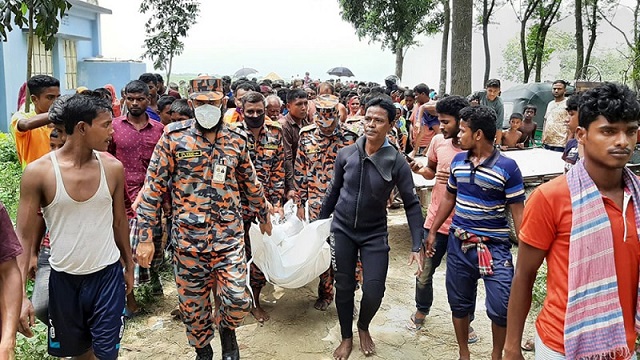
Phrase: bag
pixel 296 252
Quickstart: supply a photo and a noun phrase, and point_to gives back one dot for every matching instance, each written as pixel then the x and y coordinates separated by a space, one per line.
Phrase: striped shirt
pixel 482 193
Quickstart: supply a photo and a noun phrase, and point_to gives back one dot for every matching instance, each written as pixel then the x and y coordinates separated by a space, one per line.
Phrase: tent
pixel 273 77
pixel 517 97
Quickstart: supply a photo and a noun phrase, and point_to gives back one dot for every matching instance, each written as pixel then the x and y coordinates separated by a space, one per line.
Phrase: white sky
pixel 291 37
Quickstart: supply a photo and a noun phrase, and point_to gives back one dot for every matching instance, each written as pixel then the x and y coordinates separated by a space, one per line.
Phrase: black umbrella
pixel 340 71
pixel 245 72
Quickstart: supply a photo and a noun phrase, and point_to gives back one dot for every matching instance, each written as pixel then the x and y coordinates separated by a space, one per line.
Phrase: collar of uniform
pixel 263 129
pixel 488 162
pixel 292 122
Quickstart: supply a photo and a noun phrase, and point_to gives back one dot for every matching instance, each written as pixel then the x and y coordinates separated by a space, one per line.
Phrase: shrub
pixel 10 174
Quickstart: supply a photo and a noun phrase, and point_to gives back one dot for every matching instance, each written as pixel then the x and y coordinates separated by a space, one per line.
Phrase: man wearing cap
pixel 209 169
pixel 313 170
pixel 266 149
pixel 133 141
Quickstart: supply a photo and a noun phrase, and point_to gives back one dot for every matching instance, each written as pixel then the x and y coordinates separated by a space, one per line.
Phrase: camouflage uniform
pixel 355 124
pixel 208 183
pixel 267 155
pixel 313 172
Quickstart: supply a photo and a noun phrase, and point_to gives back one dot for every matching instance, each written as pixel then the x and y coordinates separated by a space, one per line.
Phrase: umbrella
pixel 273 77
pixel 244 72
pixel 340 71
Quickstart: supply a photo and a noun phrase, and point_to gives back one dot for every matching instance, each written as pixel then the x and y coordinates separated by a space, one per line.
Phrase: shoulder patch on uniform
pixel 177 126
pixel 308 128
pixel 237 130
pixel 275 124
pixel 348 131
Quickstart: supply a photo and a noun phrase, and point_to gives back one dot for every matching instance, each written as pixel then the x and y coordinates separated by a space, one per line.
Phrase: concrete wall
pixel 94 74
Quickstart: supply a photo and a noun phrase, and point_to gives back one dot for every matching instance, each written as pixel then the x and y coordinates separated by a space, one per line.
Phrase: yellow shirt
pixel 31 144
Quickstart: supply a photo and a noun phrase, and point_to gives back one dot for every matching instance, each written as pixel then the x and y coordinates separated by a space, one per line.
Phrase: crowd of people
pixel 114 186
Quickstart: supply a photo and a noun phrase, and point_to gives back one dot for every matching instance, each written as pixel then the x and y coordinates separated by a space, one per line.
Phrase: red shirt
pixel 547 226
pixel 134 149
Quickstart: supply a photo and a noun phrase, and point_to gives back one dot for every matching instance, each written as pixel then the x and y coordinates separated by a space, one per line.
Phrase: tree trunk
pixel 580 63
pixel 27 104
pixel 523 51
pixel 486 15
pixel 169 68
pixel 444 52
pixel 461 40
pixel 399 60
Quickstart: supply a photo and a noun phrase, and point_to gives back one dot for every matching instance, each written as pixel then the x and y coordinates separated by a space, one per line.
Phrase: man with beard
pixel 317 151
pixel 240 89
pixel 134 137
pixel 206 168
pixel 274 107
pixel 266 149
pixel 554 133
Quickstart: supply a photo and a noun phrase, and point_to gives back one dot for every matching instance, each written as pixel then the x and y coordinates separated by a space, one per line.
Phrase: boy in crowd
pixel 511 138
pixel 529 127
pixel 572 150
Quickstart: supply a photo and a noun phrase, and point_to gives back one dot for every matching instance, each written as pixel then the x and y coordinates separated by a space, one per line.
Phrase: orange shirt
pixel 32 144
pixel 547 226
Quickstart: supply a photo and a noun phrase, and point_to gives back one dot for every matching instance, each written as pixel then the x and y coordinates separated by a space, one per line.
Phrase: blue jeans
pixel 424 282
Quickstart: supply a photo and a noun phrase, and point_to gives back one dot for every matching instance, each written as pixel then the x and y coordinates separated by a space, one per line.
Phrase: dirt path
pixel 298 331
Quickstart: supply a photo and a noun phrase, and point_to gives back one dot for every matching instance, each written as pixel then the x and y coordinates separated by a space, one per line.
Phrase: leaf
pixel 24 9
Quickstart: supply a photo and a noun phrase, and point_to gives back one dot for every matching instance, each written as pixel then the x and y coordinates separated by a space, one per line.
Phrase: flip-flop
pixel 473 337
pixel 528 345
pixel 414 323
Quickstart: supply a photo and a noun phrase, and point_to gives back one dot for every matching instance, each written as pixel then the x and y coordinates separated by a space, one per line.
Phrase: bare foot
pixel 366 343
pixel 260 315
pixel 343 350
pixel 322 304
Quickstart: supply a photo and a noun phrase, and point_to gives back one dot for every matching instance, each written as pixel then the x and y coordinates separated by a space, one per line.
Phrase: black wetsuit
pixel 357 197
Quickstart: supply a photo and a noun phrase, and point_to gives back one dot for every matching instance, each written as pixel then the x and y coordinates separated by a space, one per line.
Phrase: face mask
pixel 207 115
pixel 325 122
pixel 254 122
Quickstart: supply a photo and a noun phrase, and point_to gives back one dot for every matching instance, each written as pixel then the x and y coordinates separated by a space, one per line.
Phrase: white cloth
pixel 81 233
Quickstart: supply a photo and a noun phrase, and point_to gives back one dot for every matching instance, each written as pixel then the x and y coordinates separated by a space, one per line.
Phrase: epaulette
pixel 238 129
pixel 347 131
pixel 275 124
pixel 309 127
pixel 177 126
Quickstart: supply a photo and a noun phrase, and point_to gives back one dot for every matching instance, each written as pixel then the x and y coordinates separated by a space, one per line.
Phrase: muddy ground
pixel 298 331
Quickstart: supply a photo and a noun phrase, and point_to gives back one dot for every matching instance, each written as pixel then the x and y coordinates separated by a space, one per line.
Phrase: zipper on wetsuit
pixel 355 223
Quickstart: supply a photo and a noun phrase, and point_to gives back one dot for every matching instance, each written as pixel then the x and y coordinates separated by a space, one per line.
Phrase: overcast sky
pixel 290 37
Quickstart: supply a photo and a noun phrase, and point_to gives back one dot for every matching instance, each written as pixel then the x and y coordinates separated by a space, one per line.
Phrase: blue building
pixel 76 59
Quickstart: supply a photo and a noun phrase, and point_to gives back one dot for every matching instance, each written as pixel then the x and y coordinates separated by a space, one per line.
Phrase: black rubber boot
pixel 205 353
pixel 229 344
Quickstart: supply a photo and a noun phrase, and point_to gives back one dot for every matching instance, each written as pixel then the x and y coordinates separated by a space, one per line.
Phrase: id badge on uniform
pixel 219 173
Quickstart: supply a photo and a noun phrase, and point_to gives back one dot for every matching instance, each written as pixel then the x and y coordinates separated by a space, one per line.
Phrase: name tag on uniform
pixel 219 173
pixel 188 154
pixel 271 146
pixel 313 150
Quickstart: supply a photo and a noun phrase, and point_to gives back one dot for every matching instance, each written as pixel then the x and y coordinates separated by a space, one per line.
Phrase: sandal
pixel 528 345
pixel 414 323
pixel 473 337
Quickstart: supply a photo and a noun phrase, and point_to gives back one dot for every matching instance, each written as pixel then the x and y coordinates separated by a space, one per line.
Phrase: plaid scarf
pixel 594 326
pixel 469 240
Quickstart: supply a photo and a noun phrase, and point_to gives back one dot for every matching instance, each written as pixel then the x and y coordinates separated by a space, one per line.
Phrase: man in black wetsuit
pixel 364 175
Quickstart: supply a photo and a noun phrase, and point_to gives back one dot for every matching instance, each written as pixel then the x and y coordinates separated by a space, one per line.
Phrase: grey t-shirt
pixel 496 105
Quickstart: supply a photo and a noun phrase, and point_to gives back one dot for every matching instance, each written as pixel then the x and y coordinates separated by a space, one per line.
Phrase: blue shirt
pixel 152 114
pixel 482 193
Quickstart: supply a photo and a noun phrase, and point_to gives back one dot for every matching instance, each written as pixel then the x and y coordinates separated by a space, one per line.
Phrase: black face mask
pixel 254 122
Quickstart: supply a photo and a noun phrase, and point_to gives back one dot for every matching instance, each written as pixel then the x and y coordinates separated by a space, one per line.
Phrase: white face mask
pixel 207 115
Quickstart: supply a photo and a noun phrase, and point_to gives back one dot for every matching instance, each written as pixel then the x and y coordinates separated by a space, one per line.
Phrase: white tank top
pixel 81 233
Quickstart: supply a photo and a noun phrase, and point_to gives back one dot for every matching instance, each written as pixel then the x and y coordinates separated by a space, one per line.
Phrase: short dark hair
pixel 385 102
pixel 244 85
pixel 516 116
pixel 72 109
pixel 103 92
pixel 54 134
pixel 159 78
pixel 296 94
pixel 451 106
pixel 530 106
pixel 494 83
pixel 480 118
pixel 421 89
pixel 38 83
pixel 253 97
pixel 165 101
pixel 148 78
pixel 573 102
pixel 181 106
pixel 409 93
pixel 613 101
pixel 564 83
pixel 137 86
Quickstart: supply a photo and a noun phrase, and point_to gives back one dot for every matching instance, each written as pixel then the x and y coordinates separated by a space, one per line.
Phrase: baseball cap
pixel 206 88
pixel 326 101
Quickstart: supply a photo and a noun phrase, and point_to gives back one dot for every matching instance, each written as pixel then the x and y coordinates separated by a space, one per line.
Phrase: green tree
pixel 444 50
pixel 633 42
pixel 395 24
pixel 169 22
pixel 42 18
pixel 591 11
pixel 461 40
pixel 487 8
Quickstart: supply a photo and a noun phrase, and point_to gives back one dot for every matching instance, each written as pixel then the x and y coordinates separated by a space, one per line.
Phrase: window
pixel 71 60
pixel 42 61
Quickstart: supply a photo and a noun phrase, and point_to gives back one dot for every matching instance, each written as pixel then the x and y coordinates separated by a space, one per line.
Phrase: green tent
pixel 517 97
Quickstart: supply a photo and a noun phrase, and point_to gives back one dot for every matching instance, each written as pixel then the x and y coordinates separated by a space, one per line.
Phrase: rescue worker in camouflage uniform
pixel 266 148
pixel 205 166
pixel 313 170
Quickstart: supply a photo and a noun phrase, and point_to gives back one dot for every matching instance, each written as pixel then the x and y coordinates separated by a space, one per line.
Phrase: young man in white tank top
pixel 81 194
